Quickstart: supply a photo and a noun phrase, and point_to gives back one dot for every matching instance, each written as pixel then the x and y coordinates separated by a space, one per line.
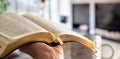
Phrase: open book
pixel 16 30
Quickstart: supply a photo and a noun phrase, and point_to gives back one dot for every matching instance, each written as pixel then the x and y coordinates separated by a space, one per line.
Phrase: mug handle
pixel 108 45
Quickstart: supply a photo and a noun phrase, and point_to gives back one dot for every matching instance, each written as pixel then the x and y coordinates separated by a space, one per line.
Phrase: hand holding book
pixel 16 30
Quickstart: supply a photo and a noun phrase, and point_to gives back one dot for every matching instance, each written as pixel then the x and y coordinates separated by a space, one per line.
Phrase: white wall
pixel 54 12
pixel 65 10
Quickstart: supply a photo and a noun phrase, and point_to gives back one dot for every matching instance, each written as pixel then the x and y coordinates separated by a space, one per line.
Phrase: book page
pixel 47 24
pixel 53 27
pixel 13 25
pixel 61 33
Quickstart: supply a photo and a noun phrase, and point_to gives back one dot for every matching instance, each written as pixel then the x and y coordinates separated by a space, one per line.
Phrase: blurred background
pixel 98 20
